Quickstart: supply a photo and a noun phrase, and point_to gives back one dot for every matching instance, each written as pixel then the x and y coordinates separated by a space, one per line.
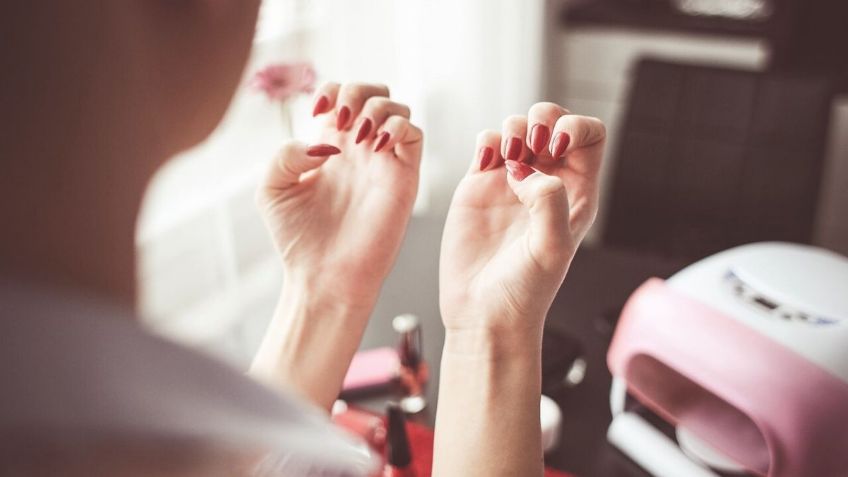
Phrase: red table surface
pixel 421 443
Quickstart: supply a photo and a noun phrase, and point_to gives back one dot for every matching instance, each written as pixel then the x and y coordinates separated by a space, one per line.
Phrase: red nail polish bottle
pixel 370 427
pixel 414 371
pixel 398 454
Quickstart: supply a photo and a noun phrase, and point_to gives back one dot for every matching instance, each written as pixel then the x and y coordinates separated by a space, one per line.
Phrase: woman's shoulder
pixel 78 364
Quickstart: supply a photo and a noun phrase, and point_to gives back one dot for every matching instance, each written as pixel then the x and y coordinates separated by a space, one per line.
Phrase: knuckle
pixel 418 131
pixel 486 135
pixel 599 127
pixel 591 130
pixel 361 92
pixel 564 120
pixel 382 88
pixel 397 122
pixel 546 108
pixel 585 130
pixel 328 85
pixel 378 88
pixel 346 92
pixel 547 104
pixel 353 92
pixel 376 103
pixel 514 120
pixel 549 187
pixel 355 98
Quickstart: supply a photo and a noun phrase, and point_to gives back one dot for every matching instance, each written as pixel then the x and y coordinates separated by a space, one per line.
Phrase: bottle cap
pixel 409 346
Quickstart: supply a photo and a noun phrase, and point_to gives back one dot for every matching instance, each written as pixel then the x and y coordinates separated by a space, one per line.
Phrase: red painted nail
pixel 539 136
pixel 486 155
pixel 344 115
pixel 513 149
pixel 518 170
pixel 320 150
pixel 381 141
pixel 560 144
pixel 320 106
pixel 364 130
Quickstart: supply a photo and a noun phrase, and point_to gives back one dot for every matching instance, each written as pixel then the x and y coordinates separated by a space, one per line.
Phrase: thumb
pixel 294 159
pixel 547 203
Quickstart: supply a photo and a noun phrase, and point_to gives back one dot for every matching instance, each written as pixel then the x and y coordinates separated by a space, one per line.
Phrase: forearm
pixel 488 415
pixel 310 342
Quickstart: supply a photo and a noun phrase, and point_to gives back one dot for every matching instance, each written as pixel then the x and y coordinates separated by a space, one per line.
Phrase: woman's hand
pixel 511 231
pixel 510 235
pixel 337 210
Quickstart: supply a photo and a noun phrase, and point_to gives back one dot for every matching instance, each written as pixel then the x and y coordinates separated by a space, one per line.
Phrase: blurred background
pixel 727 121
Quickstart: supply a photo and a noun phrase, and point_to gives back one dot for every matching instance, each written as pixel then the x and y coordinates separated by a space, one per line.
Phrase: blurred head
pixel 164 70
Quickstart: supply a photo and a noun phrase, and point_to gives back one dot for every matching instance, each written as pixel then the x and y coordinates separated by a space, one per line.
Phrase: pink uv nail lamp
pixel 745 356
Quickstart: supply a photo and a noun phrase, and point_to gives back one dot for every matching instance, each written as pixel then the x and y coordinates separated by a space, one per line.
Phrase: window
pixel 208 274
pixel 199 280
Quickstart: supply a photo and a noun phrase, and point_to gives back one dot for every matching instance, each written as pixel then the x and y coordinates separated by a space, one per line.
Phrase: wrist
pixel 490 384
pixel 315 302
pixel 328 293
pixel 310 341
pixel 490 344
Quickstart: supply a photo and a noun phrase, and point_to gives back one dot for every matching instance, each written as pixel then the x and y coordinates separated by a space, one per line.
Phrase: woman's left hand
pixel 511 231
pixel 514 224
pixel 337 210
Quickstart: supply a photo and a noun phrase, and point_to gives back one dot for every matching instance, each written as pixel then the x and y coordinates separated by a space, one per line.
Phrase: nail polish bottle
pixel 414 371
pixel 398 454
pixel 370 427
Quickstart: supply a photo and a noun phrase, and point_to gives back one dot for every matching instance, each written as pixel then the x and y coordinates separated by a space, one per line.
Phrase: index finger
pixel 351 99
pixel 581 139
pixel 325 98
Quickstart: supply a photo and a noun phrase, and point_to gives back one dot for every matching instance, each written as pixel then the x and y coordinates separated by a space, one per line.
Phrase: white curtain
pixel 461 65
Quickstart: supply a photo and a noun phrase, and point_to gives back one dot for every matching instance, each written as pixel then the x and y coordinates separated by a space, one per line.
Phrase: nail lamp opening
pixel 746 354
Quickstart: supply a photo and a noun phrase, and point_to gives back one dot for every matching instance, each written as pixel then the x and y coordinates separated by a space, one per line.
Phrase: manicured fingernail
pixel 560 144
pixel 344 115
pixel 539 136
pixel 486 155
pixel 320 150
pixel 381 141
pixel 320 106
pixel 513 149
pixel 518 170
pixel 364 130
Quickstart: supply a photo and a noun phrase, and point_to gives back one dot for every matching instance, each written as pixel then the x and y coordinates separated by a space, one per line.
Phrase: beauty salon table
pixel 586 307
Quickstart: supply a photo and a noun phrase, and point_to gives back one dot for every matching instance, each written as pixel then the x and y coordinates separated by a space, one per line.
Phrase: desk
pixel 597 285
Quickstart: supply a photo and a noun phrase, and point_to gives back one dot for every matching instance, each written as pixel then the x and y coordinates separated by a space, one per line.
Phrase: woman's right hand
pixel 512 231
pixel 337 210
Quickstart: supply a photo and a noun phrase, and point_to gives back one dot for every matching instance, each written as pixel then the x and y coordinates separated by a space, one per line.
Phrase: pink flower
pixel 280 81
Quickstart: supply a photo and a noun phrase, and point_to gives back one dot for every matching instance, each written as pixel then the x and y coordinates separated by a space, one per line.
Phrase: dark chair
pixel 710 157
